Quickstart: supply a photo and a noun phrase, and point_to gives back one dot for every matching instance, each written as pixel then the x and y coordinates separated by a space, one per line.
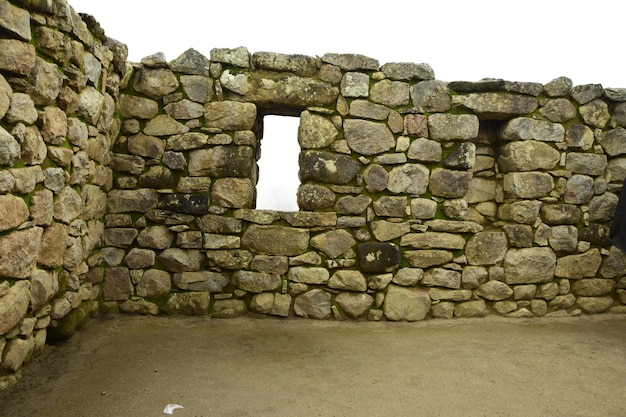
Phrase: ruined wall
pixel 132 187
pixel 58 90
pixel 419 198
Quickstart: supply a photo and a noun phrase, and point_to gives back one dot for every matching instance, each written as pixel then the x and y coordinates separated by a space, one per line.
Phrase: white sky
pixel 530 40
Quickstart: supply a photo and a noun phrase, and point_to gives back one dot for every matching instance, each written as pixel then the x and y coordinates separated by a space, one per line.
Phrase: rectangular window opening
pixel 278 183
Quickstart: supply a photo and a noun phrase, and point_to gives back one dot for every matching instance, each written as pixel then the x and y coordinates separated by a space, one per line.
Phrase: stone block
pixel 378 257
pixel 406 304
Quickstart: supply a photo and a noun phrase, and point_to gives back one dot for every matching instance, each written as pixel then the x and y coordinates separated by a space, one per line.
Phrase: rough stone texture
pixel 314 304
pixel 486 248
pixel 19 252
pixel 368 138
pixel 354 305
pixel 529 265
pixel 453 127
pixel 406 304
pixel 276 240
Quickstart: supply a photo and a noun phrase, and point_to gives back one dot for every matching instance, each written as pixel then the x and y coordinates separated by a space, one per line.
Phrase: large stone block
pixel 496 104
pixel 368 138
pixel 313 304
pixel 433 240
pixel 14 212
pixel 527 155
pixel 14 305
pixel 222 161
pixel 123 201
pixel 256 282
pixel 378 257
pixel 444 127
pixel 529 265
pixel 409 178
pixel 348 280
pixel 584 265
pixel 17 57
pixel 230 115
pixel 354 305
pixel 233 193
pixel 528 185
pixel 276 240
pixel 486 248
pixel 117 284
pixel 315 131
pixel 524 128
pixel 448 183
pixel 155 82
pixel 188 303
pixel 19 252
pixel 326 167
pixel 406 304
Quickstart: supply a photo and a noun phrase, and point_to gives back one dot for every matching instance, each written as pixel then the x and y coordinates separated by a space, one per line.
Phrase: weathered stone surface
pixel 9 148
pixel 351 62
pixel 354 305
pixel 256 282
pixel 602 207
pixel 586 163
pixel 309 219
pixel 563 302
pixel 139 306
pixel 348 280
pixel 427 258
pixel 233 193
pixel 230 259
pixel 315 131
pixel 313 197
pixel 494 290
pixel 117 284
pixel 375 177
pixel 368 138
pixel 431 96
pixel 201 281
pixel 384 231
pixel 155 237
pixel 441 277
pixel 425 150
pixel 584 265
pixel 155 82
pixel 614 265
pixel 391 206
pixel 188 303
pixel 26 179
pixel 308 275
pixel 140 258
pixel 164 125
pixel 14 305
pixel 406 304
pixel 273 304
pixel 297 64
pixel 614 141
pixel 154 284
pixel 276 240
pixel 408 276
pixel 579 136
pixel 119 237
pixel 326 167
pixel 529 265
pixel 433 240
pixel 524 128
pixel 462 157
pixel 554 214
pixel 197 87
pixel 423 208
pixel 368 110
pixel 215 241
pixel 595 305
pixel 558 110
pixel 22 109
pixel 528 155
pixel 139 107
pixel 230 115
pixel 564 238
pixel 486 248
pixel 180 260
pixel 229 308
pixel 408 71
pixel 444 127
pixel 19 252
pixel 519 236
pixel 237 56
pixel 593 287
pixel 448 183
pixel 471 309
pixel 408 178
pixel 528 185
pixel 579 189
pixel 595 113
pixel 313 304
pixel 17 57
pixel 44 285
pixel 14 212
pixel 123 201
pixel 560 86
pixel 496 104
pixel 184 110
pixel 352 204
pixel 378 257
pixel 53 245
pixel 333 243
pixel 390 93
pixel 17 352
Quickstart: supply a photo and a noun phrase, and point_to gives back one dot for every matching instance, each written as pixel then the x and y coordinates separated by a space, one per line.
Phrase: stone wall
pixel 131 187
pixel 59 79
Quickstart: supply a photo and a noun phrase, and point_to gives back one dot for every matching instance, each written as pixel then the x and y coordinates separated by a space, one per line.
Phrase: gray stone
pixel 298 64
pixel 215 241
pixel 191 62
pixel 368 110
pixel 16 56
pixel 119 237
pixel 313 304
pixel 188 303
pixel 595 114
pixel 448 183
pixel 207 281
pixel 431 96
pixel 441 277
pixel 155 82
pixel 433 240
pixel 595 305
pixel 585 93
pixel 352 204
pixel 519 236
pixel 375 177
pixel 351 62
pixel 528 185
pixel 423 208
pixel 528 155
pixel 579 189
pixel 406 304
pixel 273 304
pixel 90 104
pixel 315 131
pixel 230 259
pixel 524 128
pixel 529 265
pixel 616 168
pixel 139 306
pixel 233 192
pixel 613 265
pixel 348 280
pixel 313 197
pixel 614 141
pixel 354 305
pixel 308 275
pixel 140 258
pixel 327 167
pixel 444 127
pixel 602 207
pixel 122 201
pixel 427 258
pixel 26 179
pixel 164 125
pixel 333 243
pixel 579 136
pixel 558 110
pixel 44 285
pixel 176 259
pixel 239 57
pixel 155 237
pixel 425 150
pixel 408 71
pixel 14 305
pixel 17 352
pixel 9 148
pixel 22 109
pixel 442 310
pixel 355 84
pixel 184 110
pixel 408 178
pixel 555 214
pixel 154 284
pixel 462 157
pixel 53 245
pixel 486 248
pixel 496 104
pixel 34 150
pixel 593 287
pixel 256 282
pixel 390 206
pixel 222 161
pixel 564 238
pixel 408 276
pixel 524 292
pixel 368 138
pixel 471 309
pixel 198 88
pixel 390 93
pixel 230 115
pixel 19 252
pixel 139 107
pixel 560 86
pixel 384 230
pixel 562 302
pixel 276 240
pixel 586 163
pixel 494 291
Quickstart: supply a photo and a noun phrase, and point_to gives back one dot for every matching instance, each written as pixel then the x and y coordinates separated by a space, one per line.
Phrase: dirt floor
pixel 134 366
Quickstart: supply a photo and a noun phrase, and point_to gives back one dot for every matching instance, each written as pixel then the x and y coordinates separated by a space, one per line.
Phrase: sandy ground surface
pixel 134 366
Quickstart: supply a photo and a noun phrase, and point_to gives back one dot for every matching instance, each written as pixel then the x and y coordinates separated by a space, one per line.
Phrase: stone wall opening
pixel 278 182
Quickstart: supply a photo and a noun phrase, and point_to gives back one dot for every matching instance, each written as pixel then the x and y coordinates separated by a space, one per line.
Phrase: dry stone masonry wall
pixel 131 187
